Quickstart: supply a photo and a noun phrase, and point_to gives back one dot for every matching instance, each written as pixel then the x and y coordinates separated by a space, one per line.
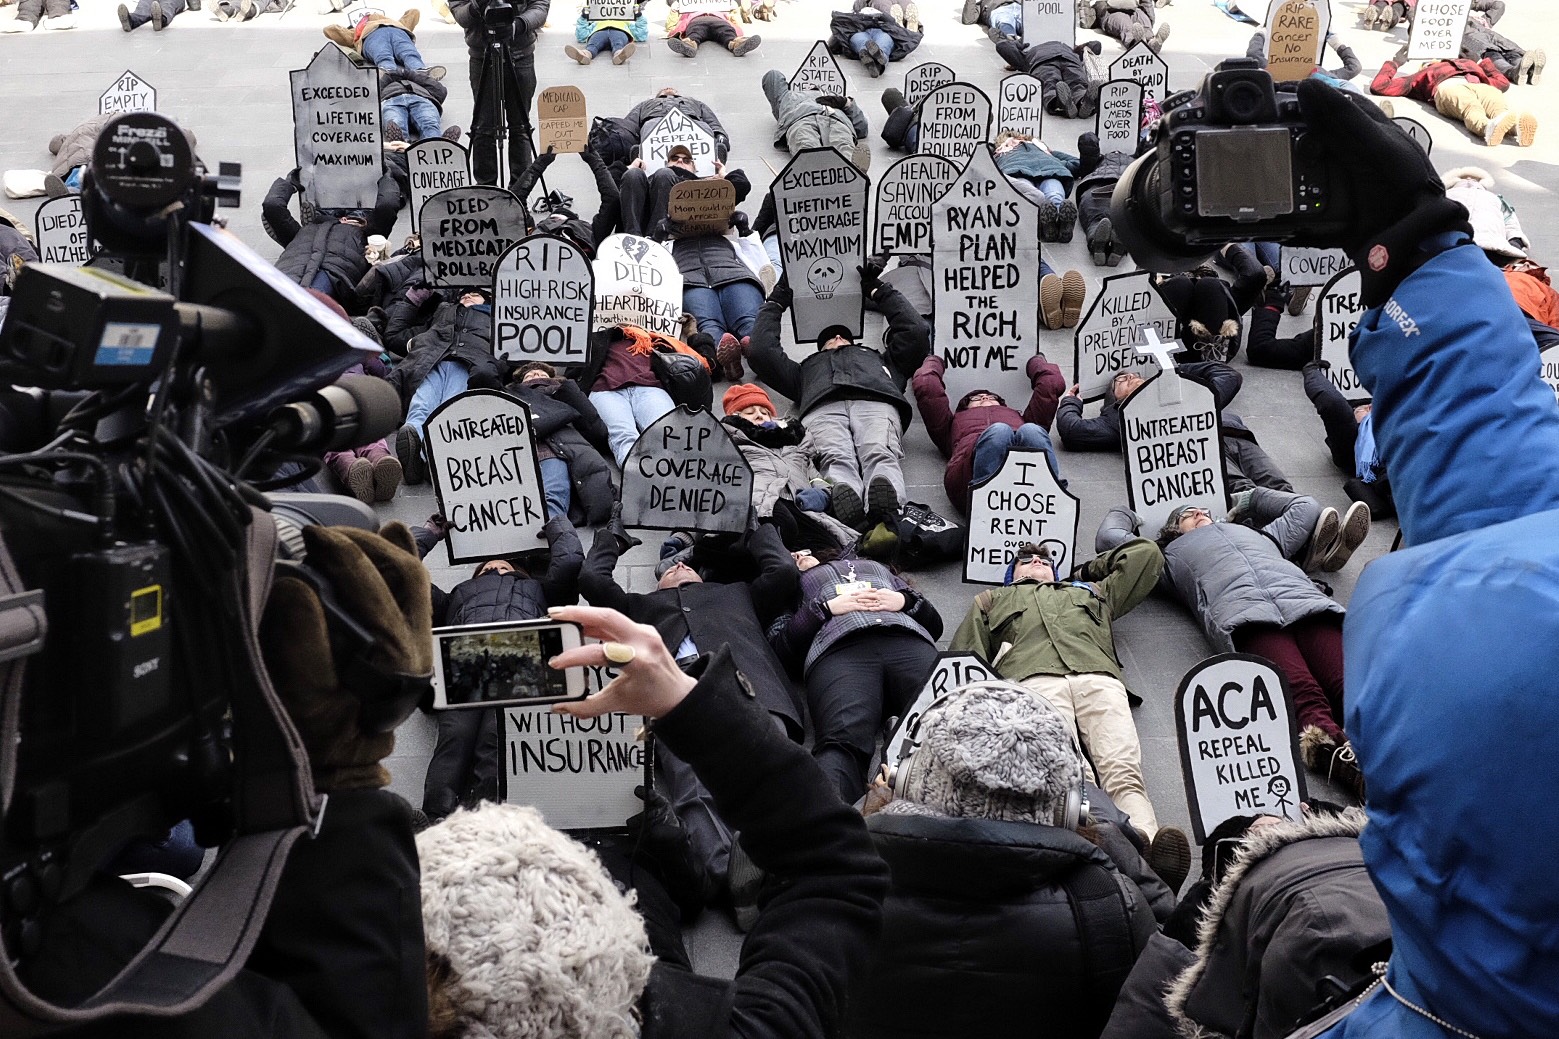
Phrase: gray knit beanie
pixel 993 750
pixel 540 942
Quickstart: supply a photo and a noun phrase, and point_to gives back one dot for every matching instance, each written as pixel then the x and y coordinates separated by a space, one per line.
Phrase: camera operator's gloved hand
pixel 1370 159
pixel 379 581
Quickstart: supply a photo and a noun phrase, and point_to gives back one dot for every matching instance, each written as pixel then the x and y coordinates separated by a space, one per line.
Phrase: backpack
pixel 612 139
pixel 684 376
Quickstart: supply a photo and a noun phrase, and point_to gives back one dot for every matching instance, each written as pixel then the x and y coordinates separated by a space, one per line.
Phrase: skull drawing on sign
pixel 823 277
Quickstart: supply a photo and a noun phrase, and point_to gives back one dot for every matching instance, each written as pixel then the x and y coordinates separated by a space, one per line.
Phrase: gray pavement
pixel 228 83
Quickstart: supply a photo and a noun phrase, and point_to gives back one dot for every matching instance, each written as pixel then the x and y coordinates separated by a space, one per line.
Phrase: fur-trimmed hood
pixel 1295 906
pixel 1473 173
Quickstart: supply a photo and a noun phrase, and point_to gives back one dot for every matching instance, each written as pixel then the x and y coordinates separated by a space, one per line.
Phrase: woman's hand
pixel 884 600
pixel 650 683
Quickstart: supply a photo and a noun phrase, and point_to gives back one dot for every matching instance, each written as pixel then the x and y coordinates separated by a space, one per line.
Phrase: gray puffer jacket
pixel 1230 574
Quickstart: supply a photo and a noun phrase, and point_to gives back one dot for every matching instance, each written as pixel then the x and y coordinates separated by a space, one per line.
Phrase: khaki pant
pixel 1097 707
pixel 1475 104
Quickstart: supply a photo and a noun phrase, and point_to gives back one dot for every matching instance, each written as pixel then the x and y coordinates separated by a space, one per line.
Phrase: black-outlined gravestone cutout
pixel 955 120
pixel 335 123
pixel 921 80
pixel 952 671
pixel 905 192
pixel 686 473
pixel 129 93
pixel 1239 743
pixel 482 457
pixel 465 231
pixel 1118 122
pixel 1108 338
pixel 579 773
pixel 433 165
pixel 1022 503
pixel 1173 449
pixel 1437 29
pixel 820 200
pixel 1337 312
pixel 985 281
pixel 62 231
pixel 1312 267
pixel 1417 131
pixel 1141 64
pixel 1046 21
pixel 819 72
pixel 1296 36
pixel 1548 361
pixel 543 296
pixel 676 128
pixel 1020 105
pixel 637 282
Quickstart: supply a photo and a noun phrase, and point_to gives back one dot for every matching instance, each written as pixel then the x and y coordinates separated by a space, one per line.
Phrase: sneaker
pixel 387 477
pixel 746 45
pixel 435 72
pixel 360 480
pixel 23 25
pixel 1499 128
pixel 896 12
pixel 1088 103
pixel 848 508
pixel 624 52
pixel 1099 239
pixel 1156 41
pixel 63 21
pixel 912 18
pixel 1297 301
pixel 971 13
pixel 1389 18
pixel 579 54
pixel 1073 291
pixel 1064 97
pixel 1387 107
pixel 408 450
pixel 1355 528
pixel 451 133
pixel 1066 221
pixel 1526 129
pixel 53 186
pixel 248 10
pixel 1050 301
pixel 1539 62
pixel 893 100
pixel 392 132
pixel 728 357
pixel 685 47
pixel 882 499
pixel 223 11
pixel 1370 17
pixel 159 20
pixel 1170 856
pixel 124 18
pixel 1323 540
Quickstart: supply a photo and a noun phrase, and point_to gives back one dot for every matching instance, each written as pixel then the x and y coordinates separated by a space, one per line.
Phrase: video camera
pixel 135 560
pixel 1231 163
pixel 498 19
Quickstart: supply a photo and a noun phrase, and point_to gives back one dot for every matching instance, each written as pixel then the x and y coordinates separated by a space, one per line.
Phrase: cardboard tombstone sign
pixel 905 193
pixel 435 165
pixel 1022 503
pixel 543 294
pixel 955 120
pixel 820 204
pixel 335 123
pixel 1296 36
pixel 952 671
pixel 62 231
pixel 482 457
pixel 465 231
pixel 686 473
pixel 1548 360
pixel 129 93
pixel 1020 105
pixel 1239 743
pixel 1437 29
pixel 701 206
pixel 675 128
pixel 985 281
pixel 924 78
pixel 1337 312
pixel 1173 449
pixel 1108 338
pixel 820 73
pixel 579 773
pixel 1050 21
pixel 1141 64
pixel 1119 119
pixel 720 7
pixel 610 10
pixel 1417 131
pixel 1312 267
pixel 561 122
pixel 637 282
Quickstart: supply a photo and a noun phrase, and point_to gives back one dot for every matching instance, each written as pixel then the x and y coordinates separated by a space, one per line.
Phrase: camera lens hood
pixel 1135 210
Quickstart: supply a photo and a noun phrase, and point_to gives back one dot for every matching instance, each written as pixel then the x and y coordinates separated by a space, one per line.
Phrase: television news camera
pixel 1231 163
pixel 135 559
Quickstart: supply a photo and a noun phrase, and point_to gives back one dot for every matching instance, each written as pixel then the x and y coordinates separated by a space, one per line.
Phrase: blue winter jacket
pixel 1452 649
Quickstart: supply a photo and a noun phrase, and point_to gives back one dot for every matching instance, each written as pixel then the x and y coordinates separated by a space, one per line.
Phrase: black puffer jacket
pixel 1096 170
pixel 709 261
pixel 530 16
pixel 494 597
pixel 844 24
pixel 980 938
pixel 457 333
pixel 400 288
pixel 564 418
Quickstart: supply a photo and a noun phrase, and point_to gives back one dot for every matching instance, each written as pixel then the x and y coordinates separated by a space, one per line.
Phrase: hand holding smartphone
pixel 505 665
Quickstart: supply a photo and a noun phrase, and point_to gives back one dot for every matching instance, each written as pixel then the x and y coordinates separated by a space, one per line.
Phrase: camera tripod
pixel 490 91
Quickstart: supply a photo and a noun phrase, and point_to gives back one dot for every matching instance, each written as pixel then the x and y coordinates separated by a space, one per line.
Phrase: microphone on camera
pixel 353 411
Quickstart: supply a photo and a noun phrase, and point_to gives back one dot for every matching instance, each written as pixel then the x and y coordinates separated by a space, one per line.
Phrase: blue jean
pixel 883 41
pixel 603 40
pixel 628 411
pixel 1008 18
pixel 557 486
pixel 447 379
pixel 416 116
pixel 392 48
pixel 1269 254
pixel 732 308
pixel 991 449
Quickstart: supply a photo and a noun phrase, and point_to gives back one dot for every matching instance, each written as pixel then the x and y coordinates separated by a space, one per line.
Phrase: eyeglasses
pixel 1035 557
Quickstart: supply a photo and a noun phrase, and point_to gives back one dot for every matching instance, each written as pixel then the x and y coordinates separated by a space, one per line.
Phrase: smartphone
pixel 504 665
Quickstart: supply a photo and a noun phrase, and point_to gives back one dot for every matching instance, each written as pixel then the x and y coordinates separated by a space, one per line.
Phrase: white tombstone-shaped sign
pixel 335 123
pixel 1020 105
pixel 1021 504
pixel 610 10
pixel 921 80
pixel 686 473
pixel 1239 744
pixel 62 231
pixel 985 281
pixel 1337 312
pixel 1417 131
pixel 1046 21
pixel 1311 267
pixel 579 773
pixel 954 121
pixel 1548 360
pixel 952 671
pixel 1437 29
pixel 1173 449
pixel 1108 337
pixel 905 193
pixel 820 203
pixel 464 232
pixel 1296 36
pixel 129 93
pixel 1119 119
pixel 637 282
pixel 433 165
pixel 1141 64
pixel 820 73
pixel 675 128
pixel 482 457
pixel 543 294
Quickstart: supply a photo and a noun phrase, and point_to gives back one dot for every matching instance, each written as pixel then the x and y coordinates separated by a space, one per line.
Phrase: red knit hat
pixel 745 395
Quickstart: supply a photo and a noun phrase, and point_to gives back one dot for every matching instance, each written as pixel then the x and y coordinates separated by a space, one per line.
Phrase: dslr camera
pixel 1231 163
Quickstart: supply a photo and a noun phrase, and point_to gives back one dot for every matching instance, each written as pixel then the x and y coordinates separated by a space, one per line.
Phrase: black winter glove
pixel 781 293
pixel 662 845
pixel 871 274
pixel 615 527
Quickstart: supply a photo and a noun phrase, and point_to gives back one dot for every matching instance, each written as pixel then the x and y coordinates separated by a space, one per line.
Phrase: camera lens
pixel 1243 101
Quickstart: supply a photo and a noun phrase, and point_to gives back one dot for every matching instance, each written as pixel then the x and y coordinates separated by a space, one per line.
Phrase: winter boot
pixel 746 45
